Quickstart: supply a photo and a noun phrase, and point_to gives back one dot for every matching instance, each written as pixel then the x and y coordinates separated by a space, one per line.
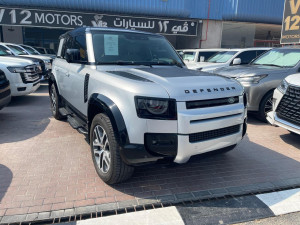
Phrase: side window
pixel 80 43
pixel 247 56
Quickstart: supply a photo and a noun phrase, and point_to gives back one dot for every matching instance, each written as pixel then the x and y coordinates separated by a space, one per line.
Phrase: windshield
pixel 30 50
pixel 189 56
pixel 4 51
pixel 222 57
pixel 279 57
pixel 17 50
pixel 125 48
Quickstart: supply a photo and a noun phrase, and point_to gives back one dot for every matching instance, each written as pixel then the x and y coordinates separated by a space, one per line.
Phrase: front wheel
pixel 265 107
pixel 106 152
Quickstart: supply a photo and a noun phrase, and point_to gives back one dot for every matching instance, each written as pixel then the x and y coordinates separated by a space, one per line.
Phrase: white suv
pixel 228 58
pixel 131 94
pixel 286 105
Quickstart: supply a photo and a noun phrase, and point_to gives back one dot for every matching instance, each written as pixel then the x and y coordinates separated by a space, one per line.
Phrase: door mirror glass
pixel 72 55
pixel 237 61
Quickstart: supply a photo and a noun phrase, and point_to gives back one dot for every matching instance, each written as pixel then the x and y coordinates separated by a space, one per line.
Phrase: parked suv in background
pixel 131 94
pixel 5 93
pixel 41 69
pixel 193 57
pixel 19 51
pixel 263 75
pixel 229 58
pixel 286 104
pixel 32 51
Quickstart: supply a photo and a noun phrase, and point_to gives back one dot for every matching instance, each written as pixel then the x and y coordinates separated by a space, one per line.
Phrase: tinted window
pixel 17 50
pixel 80 43
pixel 4 51
pixel 206 55
pixel 247 56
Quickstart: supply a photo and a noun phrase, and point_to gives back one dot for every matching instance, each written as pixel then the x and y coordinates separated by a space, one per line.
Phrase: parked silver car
pixel 263 75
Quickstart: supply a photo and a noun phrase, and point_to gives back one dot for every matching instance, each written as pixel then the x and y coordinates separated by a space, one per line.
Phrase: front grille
pixel 31 75
pixel 212 102
pixel 212 134
pixel 5 93
pixel 289 106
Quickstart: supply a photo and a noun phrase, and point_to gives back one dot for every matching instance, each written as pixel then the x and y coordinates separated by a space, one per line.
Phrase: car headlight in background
pixel 19 69
pixel 283 86
pixel 156 108
pixel 251 79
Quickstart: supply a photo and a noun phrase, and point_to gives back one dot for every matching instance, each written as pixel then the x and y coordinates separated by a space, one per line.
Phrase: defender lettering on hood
pixel 195 91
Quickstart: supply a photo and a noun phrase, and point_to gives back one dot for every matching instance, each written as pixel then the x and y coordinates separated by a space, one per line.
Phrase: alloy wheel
pixel 101 149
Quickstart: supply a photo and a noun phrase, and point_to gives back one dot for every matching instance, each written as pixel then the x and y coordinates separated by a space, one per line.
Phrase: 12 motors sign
pixel 291 22
pixel 70 20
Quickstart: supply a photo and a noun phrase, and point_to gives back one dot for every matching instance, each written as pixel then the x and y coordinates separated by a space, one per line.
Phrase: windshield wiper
pixel 273 65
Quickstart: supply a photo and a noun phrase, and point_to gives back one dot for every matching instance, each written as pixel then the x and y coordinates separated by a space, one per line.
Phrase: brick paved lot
pixel 45 166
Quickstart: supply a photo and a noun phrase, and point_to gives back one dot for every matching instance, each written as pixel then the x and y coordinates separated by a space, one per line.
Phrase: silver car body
pixel 256 92
pixel 274 117
pixel 169 82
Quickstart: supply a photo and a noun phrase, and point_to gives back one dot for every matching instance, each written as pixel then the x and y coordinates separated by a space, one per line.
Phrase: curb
pixel 86 212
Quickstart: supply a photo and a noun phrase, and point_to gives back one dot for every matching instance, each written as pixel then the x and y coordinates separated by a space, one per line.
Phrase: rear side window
pixel 206 55
pixel 247 56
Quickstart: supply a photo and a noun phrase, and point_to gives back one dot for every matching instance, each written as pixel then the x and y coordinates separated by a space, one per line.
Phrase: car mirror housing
pixel 237 61
pixel 72 55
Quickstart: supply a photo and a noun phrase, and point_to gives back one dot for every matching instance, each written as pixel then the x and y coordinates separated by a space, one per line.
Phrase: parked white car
pixel 33 51
pixel 20 51
pixel 21 73
pixel 228 58
pixel 192 57
pixel 286 104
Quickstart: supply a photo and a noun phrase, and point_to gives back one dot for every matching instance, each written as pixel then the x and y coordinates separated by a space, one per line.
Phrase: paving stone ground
pixel 46 167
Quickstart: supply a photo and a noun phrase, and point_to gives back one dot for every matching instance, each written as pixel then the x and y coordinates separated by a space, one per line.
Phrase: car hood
pixel 15 61
pixel 238 71
pixel 293 79
pixel 186 85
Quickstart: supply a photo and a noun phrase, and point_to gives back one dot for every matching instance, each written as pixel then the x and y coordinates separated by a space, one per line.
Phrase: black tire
pixel 117 171
pixel 264 107
pixel 55 102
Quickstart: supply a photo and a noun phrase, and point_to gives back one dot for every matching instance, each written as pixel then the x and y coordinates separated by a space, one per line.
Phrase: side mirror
pixel 202 58
pixel 72 55
pixel 237 61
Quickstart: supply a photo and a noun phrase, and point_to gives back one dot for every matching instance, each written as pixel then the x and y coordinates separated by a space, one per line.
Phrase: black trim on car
pixel 132 154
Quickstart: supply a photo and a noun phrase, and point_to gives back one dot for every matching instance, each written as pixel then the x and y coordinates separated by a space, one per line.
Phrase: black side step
pixel 73 122
pixel 63 111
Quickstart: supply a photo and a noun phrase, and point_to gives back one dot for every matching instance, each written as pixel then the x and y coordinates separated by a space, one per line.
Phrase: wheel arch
pixel 264 96
pixel 101 104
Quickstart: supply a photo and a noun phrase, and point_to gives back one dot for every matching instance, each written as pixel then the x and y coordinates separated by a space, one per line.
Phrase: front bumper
pixel 274 120
pixel 19 89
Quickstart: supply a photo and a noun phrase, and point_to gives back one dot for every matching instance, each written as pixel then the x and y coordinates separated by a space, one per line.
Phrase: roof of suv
pixel 81 30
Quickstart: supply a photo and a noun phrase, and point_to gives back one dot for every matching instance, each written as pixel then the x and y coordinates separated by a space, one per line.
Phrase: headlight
pixel 18 69
pixel 283 86
pixel 156 108
pixel 251 79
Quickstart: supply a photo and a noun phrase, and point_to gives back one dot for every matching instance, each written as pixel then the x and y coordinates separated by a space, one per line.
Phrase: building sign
pixel 291 22
pixel 70 20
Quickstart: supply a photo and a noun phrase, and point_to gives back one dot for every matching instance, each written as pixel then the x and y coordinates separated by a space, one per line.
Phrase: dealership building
pixel 185 23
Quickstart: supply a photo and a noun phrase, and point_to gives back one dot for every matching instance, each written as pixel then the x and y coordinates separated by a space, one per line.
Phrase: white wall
pixel 12 34
pixel 214 34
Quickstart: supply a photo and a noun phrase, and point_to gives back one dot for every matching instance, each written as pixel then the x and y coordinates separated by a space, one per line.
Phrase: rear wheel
pixel 55 102
pixel 105 152
pixel 266 105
